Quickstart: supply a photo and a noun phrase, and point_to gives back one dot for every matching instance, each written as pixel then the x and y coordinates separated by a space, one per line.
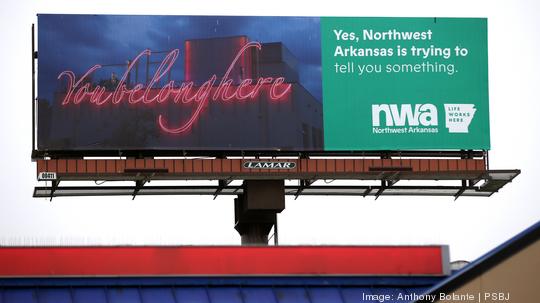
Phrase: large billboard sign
pixel 227 83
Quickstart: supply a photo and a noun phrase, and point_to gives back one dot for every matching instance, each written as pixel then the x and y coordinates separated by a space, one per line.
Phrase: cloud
pixel 77 42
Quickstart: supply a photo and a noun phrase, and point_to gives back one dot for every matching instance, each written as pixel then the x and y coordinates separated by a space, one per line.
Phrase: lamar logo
pixel 269 165
pixel 421 115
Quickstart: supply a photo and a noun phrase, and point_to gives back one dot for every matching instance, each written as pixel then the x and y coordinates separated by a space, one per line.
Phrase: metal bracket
pixel 461 190
pixel 384 185
pixel 393 179
pixel 387 182
pixel 54 187
pixel 221 185
pixel 303 185
pixel 367 191
pixel 138 186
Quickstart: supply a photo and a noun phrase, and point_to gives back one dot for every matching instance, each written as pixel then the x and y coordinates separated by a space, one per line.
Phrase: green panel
pixel 433 98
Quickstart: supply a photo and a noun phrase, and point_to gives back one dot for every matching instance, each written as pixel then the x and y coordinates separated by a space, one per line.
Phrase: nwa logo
pixel 422 114
pixel 269 165
pixel 421 118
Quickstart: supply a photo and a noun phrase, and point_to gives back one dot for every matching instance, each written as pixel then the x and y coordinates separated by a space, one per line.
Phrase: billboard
pixel 230 83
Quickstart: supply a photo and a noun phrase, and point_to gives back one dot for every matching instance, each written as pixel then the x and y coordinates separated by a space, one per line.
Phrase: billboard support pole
pixel 256 210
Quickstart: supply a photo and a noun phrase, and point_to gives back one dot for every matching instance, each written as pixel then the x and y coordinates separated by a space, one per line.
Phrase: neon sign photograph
pixel 78 92
pixel 215 84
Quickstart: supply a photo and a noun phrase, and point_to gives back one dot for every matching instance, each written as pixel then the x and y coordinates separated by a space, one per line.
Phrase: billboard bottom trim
pixel 494 181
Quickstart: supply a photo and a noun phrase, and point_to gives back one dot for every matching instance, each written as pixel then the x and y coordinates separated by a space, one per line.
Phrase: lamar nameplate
pixel 269 165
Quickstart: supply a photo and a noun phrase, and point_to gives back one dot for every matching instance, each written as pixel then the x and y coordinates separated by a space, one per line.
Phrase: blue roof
pixel 487 261
pixel 211 289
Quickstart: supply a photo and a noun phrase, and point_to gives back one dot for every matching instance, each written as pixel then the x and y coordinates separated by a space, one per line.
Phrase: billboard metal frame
pixel 384 174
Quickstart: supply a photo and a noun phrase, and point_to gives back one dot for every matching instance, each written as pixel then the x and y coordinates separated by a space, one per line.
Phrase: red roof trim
pixel 223 260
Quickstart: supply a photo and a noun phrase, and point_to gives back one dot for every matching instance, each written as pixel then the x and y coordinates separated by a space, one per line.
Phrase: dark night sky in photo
pixel 77 42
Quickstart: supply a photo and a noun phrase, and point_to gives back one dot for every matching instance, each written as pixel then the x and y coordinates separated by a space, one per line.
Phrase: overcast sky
pixel 470 226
